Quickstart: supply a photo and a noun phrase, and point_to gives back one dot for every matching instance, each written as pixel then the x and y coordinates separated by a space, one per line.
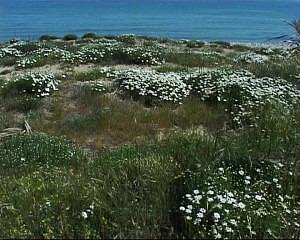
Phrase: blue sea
pixel 227 20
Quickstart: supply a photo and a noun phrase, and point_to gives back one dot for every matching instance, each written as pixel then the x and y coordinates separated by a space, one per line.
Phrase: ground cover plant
pixel 140 137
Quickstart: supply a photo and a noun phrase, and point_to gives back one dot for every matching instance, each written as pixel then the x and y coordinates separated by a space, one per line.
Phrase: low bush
pixel 151 86
pixel 70 37
pixel 89 35
pixel 195 44
pixel 48 38
pixel 242 93
pixel 35 84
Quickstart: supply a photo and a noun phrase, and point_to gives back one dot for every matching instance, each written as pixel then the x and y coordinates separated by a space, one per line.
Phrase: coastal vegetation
pixel 142 137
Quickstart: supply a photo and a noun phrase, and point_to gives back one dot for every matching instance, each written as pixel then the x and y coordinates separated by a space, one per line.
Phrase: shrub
pixel 89 35
pixel 27 47
pixel 242 93
pixel 70 37
pixel 31 62
pixel 149 85
pixel 36 84
pixel 127 38
pixel 48 38
pixel 251 57
pixel 195 44
pixel 222 43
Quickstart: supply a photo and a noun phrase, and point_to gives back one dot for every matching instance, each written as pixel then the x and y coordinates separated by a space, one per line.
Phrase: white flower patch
pixel 229 208
pixel 37 84
pixel 98 86
pixel 251 57
pixel 242 93
pixel 26 62
pixel 97 52
pixel 10 51
pixel 169 87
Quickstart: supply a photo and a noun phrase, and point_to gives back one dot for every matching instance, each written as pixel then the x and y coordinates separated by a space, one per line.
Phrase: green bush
pixel 70 37
pixel 128 39
pixel 34 84
pixel 89 35
pixel 195 44
pixel 48 38
pixel 27 47
pixel 222 43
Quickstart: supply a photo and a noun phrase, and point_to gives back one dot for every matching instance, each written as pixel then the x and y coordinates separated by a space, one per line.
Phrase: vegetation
pixel 70 37
pixel 89 35
pixel 141 137
pixel 48 38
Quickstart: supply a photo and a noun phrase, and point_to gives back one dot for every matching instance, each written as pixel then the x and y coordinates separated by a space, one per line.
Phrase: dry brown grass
pixel 104 120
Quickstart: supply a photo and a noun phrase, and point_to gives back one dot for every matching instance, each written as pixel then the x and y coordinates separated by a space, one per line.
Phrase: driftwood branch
pixel 13 131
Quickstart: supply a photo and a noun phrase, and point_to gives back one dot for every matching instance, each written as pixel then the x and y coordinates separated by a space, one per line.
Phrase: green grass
pixel 134 191
pixel 171 68
pixel 194 60
pixel 91 75
pixel 21 104
pixel 285 70
pixel 8 61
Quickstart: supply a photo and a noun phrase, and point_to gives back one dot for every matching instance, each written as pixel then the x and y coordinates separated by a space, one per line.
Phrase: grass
pixel 105 120
pixel 171 68
pixel 98 197
pixel 194 60
pixel 7 61
pixel 284 70
pixel 104 164
pixel 89 75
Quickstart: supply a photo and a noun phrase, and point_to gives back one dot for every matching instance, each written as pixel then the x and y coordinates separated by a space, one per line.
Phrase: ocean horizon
pixel 254 21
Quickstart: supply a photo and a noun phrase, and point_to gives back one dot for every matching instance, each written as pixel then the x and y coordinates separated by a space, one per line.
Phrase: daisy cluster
pixel 98 86
pixel 289 52
pixel 86 55
pixel 251 57
pixel 141 55
pixel 34 57
pixel 10 51
pixel 91 53
pixel 27 62
pixel 233 202
pixel 37 84
pixel 169 87
pixel 242 93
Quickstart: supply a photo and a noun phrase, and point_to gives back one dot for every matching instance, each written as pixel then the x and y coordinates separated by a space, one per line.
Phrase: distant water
pixel 228 20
